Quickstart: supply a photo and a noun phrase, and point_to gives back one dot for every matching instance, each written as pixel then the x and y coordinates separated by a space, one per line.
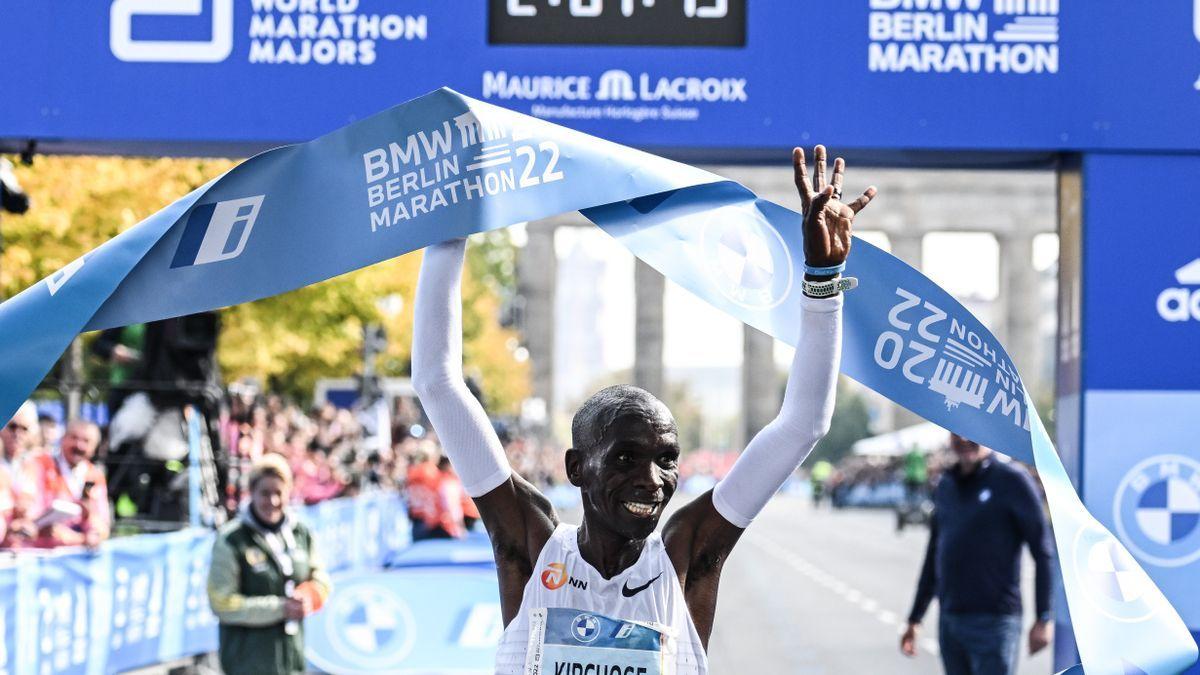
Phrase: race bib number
pixel 565 641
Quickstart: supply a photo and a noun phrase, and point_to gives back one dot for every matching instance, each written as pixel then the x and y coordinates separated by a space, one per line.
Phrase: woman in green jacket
pixel 265 578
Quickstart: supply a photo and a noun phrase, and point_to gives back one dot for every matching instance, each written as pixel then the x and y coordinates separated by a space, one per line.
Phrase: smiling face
pixel 80 442
pixel 268 497
pixel 625 461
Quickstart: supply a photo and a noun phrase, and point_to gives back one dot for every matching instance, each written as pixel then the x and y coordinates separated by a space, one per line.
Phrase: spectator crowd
pixel 54 492
pixel 861 480
pixel 51 492
pixel 331 455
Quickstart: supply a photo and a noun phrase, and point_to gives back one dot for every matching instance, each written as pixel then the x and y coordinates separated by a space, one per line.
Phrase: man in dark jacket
pixel 264 579
pixel 985 509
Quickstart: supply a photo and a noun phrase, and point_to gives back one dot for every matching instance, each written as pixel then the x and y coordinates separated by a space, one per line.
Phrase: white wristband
pixel 830 287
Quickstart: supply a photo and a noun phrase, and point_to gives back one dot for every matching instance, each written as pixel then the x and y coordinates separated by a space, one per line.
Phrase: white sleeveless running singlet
pixel 647 594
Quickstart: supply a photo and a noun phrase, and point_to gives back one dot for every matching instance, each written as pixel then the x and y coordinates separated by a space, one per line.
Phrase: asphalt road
pixel 827 592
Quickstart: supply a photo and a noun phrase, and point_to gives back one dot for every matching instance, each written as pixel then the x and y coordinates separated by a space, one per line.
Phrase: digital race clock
pixel 704 23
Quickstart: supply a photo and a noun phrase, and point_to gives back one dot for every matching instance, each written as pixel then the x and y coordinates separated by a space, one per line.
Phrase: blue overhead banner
pixel 1143 327
pixel 445 165
pixel 718 76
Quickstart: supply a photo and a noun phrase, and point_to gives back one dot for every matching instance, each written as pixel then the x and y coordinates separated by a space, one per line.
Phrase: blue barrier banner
pixel 199 623
pixel 381 529
pixel 445 165
pixel 8 619
pixel 142 600
pixel 334 521
pixel 408 621
pixel 65 630
pixel 397 528
pixel 360 533
pixel 138 579
pixel 475 550
pixel 368 521
pixel 189 627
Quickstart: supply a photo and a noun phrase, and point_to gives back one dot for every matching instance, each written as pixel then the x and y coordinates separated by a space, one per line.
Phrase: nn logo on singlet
pixel 555 577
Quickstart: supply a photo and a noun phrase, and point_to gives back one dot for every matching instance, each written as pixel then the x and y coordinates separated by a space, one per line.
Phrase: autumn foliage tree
pixel 290 340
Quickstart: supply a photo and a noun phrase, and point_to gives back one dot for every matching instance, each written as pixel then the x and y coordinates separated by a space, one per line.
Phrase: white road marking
pixel 838 587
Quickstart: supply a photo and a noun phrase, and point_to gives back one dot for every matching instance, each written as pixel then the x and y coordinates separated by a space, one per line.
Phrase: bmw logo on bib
pixel 746 258
pixel 585 628
pixel 1157 510
pixel 1111 578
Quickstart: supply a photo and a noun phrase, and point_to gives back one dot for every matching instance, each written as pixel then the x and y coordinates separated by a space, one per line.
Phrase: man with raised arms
pixel 611 595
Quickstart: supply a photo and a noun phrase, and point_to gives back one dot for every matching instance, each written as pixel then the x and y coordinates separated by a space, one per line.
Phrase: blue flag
pixel 444 166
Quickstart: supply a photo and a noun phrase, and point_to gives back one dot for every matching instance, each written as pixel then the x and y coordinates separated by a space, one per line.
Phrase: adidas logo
pixel 1182 304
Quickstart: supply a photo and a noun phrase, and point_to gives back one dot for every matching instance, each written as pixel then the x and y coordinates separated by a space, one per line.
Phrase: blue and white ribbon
pixel 445 165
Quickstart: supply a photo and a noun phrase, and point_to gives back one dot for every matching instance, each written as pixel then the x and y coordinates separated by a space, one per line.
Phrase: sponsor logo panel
pixel 1141 469
pixel 615 94
pixel 1182 301
pixel 217 232
pixel 1157 510
pixel 368 626
pixel 277 32
pixel 1018 37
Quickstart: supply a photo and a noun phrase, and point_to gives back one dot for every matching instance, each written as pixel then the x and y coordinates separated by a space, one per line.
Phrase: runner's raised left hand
pixel 827 220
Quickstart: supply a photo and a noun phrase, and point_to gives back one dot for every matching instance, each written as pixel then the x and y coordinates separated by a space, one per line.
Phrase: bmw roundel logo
pixel 1157 510
pixel 747 258
pixel 585 628
pixel 370 627
pixel 1110 577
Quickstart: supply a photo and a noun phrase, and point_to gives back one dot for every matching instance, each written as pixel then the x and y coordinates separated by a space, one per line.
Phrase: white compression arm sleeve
pixel 467 436
pixel 804 418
